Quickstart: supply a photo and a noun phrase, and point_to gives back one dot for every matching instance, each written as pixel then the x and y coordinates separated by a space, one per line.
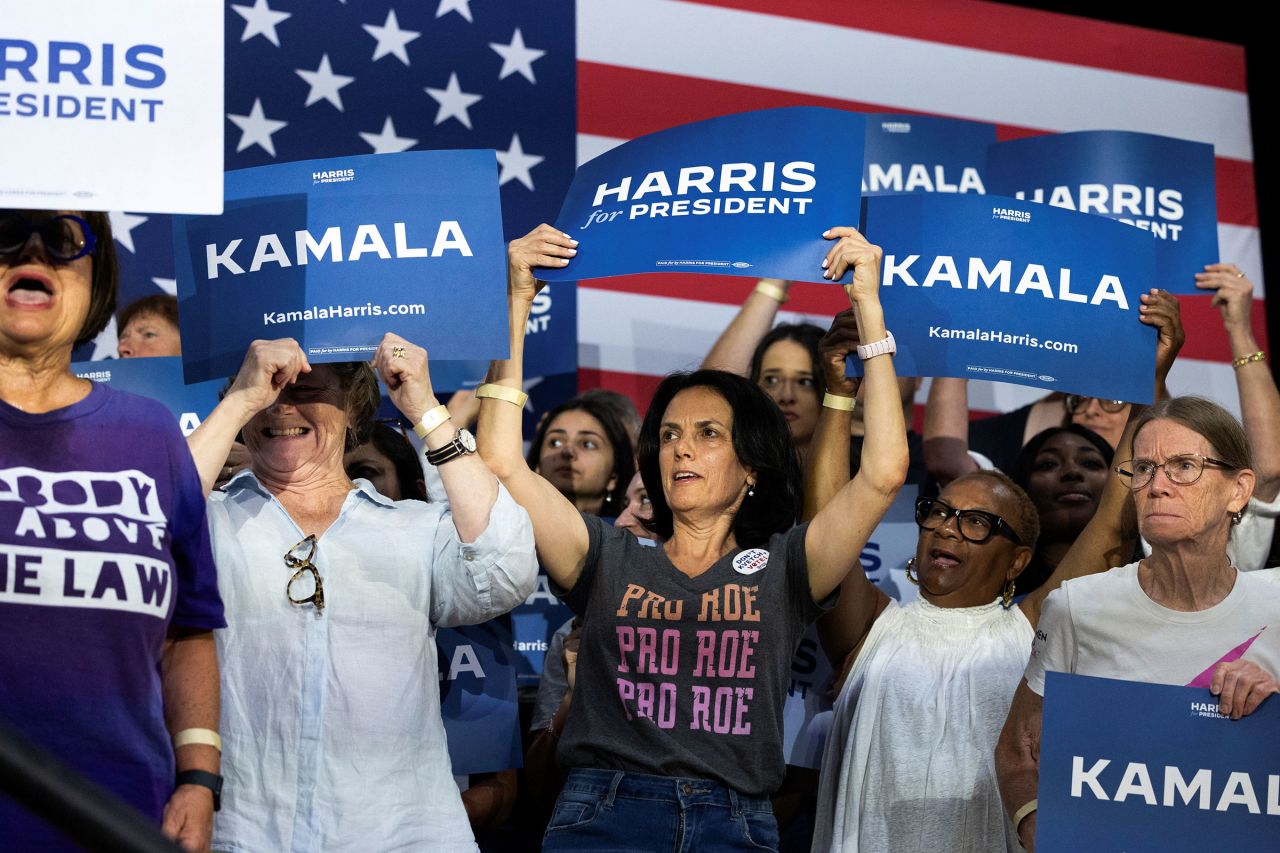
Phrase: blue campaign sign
pixel 478 697
pixel 1128 768
pixel 335 253
pixel 1161 185
pixel 159 378
pixel 982 287
pixel 534 623
pixel 746 194
pixel 924 154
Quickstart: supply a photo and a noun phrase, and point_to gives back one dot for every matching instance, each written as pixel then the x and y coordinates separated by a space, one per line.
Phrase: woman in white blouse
pixel 908 765
pixel 333 593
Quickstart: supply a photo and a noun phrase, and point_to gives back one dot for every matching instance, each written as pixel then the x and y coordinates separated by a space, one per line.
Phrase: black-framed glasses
pixel 1075 404
pixel 975 525
pixel 300 557
pixel 64 237
pixel 1181 470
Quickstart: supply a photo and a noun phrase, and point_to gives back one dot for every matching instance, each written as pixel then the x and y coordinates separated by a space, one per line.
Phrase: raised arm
pixel 840 529
pixel 826 473
pixel 1109 538
pixel 268 366
pixel 946 430
pixel 469 485
pixel 1259 400
pixel 732 351
pixel 558 529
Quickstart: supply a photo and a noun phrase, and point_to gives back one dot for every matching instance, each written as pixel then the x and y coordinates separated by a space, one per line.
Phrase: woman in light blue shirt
pixel 333 593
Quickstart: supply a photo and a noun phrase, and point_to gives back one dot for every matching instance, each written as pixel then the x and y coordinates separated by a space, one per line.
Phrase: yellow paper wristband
pixel 1021 814
pixel 502 392
pixel 208 737
pixel 431 421
pixel 838 401
pixel 772 291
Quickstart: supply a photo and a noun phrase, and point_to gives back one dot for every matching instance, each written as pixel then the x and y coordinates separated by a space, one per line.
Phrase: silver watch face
pixel 467 440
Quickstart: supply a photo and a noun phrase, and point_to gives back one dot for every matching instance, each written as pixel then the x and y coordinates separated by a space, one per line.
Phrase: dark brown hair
pixel 160 305
pixel 359 384
pixel 1206 418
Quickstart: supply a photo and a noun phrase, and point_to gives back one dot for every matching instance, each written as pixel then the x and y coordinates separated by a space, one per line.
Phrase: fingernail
pixel 564 260
pixel 825 233
pixel 573 251
pixel 826 275
pixel 824 263
pixel 566 235
pixel 571 240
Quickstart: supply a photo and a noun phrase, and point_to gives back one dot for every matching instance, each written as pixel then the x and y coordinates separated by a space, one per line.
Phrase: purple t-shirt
pixel 103 546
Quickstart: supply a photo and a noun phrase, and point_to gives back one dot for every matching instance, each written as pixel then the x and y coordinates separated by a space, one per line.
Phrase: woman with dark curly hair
pixel 674 736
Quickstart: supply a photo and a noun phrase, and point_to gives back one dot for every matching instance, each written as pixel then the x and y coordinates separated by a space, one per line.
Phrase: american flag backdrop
pixel 543 81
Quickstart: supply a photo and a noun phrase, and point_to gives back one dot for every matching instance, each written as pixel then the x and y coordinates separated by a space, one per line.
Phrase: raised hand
pixel 1160 309
pixel 402 366
pixel 544 247
pixel 840 340
pixel 1232 293
pixel 268 366
pixel 852 251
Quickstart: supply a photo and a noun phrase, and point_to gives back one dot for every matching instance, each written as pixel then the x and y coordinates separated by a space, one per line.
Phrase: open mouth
pixel 943 559
pixel 30 291
pixel 685 476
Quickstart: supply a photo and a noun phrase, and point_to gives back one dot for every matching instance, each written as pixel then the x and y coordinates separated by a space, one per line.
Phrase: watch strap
pixel 448 452
pixel 204 779
pixel 885 346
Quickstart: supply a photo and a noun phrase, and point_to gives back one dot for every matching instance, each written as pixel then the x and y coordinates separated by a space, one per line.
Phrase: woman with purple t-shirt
pixel 675 733
pixel 108 594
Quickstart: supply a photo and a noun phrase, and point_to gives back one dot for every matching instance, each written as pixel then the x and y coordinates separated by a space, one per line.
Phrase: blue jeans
pixel 607 811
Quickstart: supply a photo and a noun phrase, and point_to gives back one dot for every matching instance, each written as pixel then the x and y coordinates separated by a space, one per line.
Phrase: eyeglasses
pixel 1075 404
pixel 1181 470
pixel 975 525
pixel 299 557
pixel 64 237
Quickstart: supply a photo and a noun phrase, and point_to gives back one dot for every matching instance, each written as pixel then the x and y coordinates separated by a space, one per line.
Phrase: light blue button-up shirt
pixel 332 739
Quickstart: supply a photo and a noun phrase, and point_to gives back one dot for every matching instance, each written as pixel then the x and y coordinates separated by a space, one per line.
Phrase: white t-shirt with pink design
pixel 1105 625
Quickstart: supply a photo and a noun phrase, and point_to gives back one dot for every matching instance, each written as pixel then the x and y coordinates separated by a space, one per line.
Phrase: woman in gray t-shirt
pixel 675 732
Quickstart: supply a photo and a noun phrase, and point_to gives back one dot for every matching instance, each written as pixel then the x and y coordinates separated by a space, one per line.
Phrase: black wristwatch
pixel 205 779
pixel 463 442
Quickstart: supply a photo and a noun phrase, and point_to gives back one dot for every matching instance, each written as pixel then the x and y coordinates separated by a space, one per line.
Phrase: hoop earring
pixel 911 564
pixel 1006 598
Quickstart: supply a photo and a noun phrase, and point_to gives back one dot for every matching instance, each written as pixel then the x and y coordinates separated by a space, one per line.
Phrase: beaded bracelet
pixel 1248 359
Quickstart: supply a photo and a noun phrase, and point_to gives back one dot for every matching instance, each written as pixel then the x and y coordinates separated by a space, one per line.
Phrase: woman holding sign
pixel 907 767
pixel 331 700
pixel 108 594
pixel 675 733
pixel 1183 615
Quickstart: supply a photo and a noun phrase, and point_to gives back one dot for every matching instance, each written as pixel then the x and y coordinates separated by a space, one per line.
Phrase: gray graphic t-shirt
pixel 681 676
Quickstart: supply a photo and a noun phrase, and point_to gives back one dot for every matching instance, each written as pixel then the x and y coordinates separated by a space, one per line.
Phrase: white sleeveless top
pixel 909 761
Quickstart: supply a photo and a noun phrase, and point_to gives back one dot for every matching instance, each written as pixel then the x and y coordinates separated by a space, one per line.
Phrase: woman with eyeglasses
pixel 331 701
pixel 926 686
pixel 1184 615
pixel 674 736
pixel 108 593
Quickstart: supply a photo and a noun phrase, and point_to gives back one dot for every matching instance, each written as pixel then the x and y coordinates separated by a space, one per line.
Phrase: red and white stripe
pixel 645 65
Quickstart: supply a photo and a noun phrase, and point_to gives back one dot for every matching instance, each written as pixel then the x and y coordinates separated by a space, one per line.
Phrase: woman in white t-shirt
pixel 1183 615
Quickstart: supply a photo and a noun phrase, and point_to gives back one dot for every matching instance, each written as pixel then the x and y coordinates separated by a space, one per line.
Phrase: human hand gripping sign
pixel 267 368
pixel 544 247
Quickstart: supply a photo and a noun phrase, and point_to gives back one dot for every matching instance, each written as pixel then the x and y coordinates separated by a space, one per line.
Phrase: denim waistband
pixel 611 784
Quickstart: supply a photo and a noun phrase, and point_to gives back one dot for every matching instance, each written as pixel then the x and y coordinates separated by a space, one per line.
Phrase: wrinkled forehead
pixel 697 404
pixel 1162 438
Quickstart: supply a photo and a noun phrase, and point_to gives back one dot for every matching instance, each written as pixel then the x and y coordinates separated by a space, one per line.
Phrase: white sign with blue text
pixel 112 106
pixel 984 287
pixel 336 253
pixel 1152 768
pixel 745 194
